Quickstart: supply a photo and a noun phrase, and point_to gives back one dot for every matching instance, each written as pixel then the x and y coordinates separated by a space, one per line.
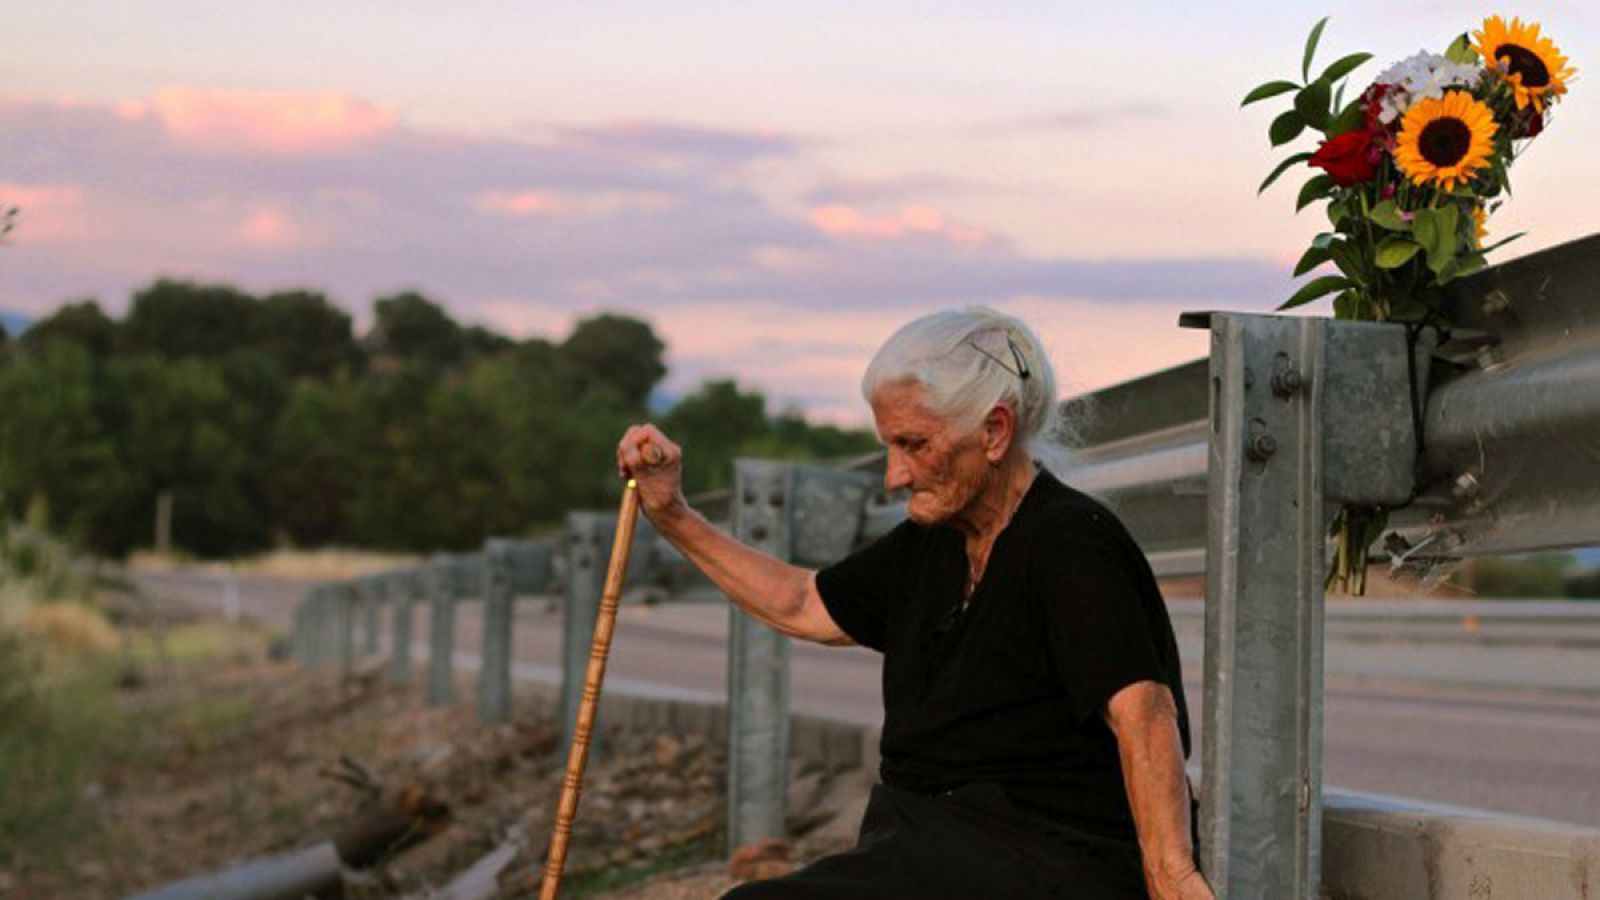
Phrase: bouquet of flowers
pixel 1411 170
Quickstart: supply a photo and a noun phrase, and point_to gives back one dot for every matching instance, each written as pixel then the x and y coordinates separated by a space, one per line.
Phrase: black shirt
pixel 1011 690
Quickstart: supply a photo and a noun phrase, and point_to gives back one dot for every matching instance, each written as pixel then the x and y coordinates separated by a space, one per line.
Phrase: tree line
pixel 265 421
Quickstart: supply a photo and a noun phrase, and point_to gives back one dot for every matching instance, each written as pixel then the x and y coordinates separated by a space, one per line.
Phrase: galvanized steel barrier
pixel 1231 460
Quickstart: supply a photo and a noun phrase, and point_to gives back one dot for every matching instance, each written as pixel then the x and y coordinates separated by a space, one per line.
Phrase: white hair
pixel 968 361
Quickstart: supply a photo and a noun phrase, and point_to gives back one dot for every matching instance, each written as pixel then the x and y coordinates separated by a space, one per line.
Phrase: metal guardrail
pixel 1528 622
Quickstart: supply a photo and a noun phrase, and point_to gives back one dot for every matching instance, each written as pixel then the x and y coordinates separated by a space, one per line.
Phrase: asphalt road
pixel 1476 726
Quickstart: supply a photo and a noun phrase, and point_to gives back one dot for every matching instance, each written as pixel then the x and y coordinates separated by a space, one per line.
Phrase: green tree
pixel 1521 575
pixel 54 448
pixel 480 341
pixel 312 466
pixel 81 323
pixel 178 319
pixel 307 335
pixel 714 424
pixel 182 429
pixel 617 353
pixel 829 442
pixel 412 328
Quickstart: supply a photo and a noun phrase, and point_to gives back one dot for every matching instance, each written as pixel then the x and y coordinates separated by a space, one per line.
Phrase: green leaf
pixel 1316 287
pixel 1435 230
pixel 1339 210
pixel 1408 309
pixel 1312 104
pixel 1270 89
pixel 1311 48
pixel 1315 188
pixel 1285 128
pixel 1323 239
pixel 1313 257
pixel 1502 242
pixel 1387 215
pixel 1343 67
pixel 1349 119
pixel 1344 306
pixel 1282 167
pixel 1347 256
pixel 1461 51
pixel 1393 252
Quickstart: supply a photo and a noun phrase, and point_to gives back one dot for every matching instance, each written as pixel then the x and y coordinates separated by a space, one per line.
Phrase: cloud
pixel 838 220
pixel 1085 118
pixel 280 122
pixel 269 229
pixel 523 203
pixel 666 221
pixel 666 140
pixel 46 212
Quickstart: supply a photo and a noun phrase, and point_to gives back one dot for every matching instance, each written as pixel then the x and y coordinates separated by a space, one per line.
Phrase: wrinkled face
pixel 944 471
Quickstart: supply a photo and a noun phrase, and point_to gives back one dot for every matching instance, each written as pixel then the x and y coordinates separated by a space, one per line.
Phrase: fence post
pixel 1264 543
pixel 494 672
pixel 758 665
pixel 585 576
pixel 404 586
pixel 299 649
pixel 345 614
pixel 372 590
pixel 1301 410
pixel 439 581
pixel 324 624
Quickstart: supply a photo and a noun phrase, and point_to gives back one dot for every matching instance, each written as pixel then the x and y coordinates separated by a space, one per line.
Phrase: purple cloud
pixel 637 216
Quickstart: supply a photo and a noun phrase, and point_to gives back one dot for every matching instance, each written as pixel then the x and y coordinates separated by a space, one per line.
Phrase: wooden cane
pixel 567 810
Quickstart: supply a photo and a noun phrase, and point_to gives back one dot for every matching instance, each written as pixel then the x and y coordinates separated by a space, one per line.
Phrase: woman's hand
pixel 655 463
pixel 1188 886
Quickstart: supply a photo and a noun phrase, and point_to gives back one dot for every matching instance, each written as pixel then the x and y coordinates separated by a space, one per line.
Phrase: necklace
pixel 975 573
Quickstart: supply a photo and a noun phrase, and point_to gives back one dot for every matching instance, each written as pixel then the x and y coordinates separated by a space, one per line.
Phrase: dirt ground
pixel 272 758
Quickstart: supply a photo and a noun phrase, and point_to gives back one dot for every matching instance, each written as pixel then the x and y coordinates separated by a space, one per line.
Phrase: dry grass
pixel 67 631
pixel 299 565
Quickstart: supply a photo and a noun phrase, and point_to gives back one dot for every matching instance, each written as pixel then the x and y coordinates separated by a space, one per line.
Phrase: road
pixel 1412 720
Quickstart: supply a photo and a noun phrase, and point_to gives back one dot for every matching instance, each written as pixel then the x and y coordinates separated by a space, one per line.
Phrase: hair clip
pixel 1021 371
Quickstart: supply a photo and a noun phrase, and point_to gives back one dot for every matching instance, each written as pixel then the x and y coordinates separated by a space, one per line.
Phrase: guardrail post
pixel 494 673
pixel 1261 800
pixel 324 639
pixel 372 591
pixel 439 581
pixel 345 625
pixel 588 533
pixel 1301 410
pixel 299 648
pixel 758 665
pixel 404 587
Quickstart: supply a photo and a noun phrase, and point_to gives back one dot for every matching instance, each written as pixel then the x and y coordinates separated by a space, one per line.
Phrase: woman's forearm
pixel 1144 719
pixel 781 595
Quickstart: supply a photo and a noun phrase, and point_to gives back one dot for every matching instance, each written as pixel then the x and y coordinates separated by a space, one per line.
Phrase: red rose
pixel 1348 158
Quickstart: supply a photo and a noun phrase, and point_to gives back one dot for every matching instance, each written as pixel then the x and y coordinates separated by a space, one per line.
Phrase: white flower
pixel 1423 75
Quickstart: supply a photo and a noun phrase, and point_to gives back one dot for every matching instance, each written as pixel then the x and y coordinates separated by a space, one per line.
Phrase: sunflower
pixel 1445 139
pixel 1480 218
pixel 1535 69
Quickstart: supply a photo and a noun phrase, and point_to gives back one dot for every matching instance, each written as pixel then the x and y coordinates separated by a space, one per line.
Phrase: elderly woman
pixel 1034 722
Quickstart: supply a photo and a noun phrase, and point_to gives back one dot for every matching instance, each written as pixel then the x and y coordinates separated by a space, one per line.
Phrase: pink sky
pixel 773 191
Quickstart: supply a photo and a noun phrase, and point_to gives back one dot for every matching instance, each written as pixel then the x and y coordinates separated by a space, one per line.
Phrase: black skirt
pixel 963 844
